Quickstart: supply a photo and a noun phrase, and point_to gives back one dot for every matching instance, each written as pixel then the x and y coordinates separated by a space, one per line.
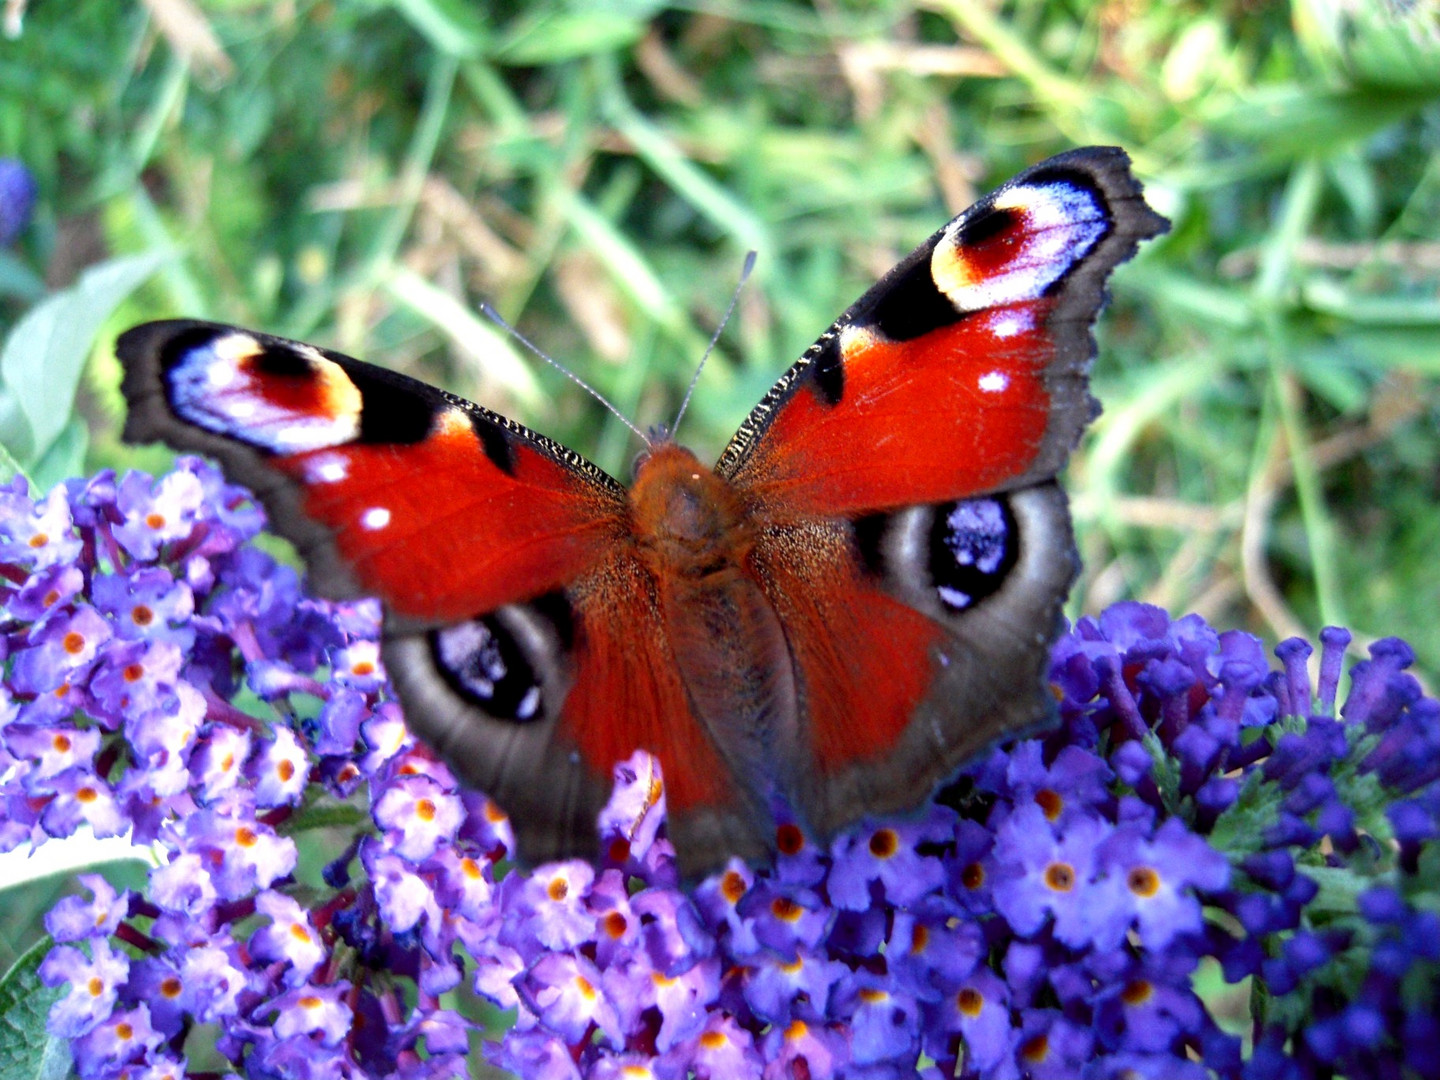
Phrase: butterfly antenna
pixel 494 316
pixel 734 299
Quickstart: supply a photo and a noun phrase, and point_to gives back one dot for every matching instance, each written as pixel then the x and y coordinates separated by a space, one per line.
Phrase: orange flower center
pixel 1060 876
pixel 1036 1048
pixel 789 840
pixel 1050 802
pixel 732 886
pixel 785 909
pixel 1143 881
pixel 1137 992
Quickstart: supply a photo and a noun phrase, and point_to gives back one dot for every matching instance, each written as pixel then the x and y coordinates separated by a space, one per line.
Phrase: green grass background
pixel 364 173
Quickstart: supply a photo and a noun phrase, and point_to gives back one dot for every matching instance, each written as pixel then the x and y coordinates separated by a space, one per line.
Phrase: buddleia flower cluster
pixel 1195 810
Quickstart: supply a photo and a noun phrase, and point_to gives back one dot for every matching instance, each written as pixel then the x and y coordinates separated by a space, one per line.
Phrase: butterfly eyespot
pixel 482 662
pixel 974 544
pixel 1028 238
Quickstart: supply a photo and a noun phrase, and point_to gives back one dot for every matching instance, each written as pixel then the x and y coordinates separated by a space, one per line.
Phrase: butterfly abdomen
pixel 694 537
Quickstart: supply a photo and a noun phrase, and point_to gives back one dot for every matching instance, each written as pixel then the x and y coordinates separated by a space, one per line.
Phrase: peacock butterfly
pixel 860 595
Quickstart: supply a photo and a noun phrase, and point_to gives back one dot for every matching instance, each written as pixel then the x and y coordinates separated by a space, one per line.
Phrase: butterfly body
pixel 858 595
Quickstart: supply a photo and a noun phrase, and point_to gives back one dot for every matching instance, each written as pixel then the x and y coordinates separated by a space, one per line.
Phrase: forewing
pixel 964 370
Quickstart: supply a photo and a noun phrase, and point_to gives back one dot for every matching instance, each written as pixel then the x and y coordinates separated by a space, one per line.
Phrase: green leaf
pixel 1291 121
pixel 64 457
pixel 9 467
pixel 46 352
pixel 555 36
pixel 1380 44
pixel 451 26
pixel 27 1050
pixel 1405 348
pixel 18 280
pixel 1332 298
pixel 15 434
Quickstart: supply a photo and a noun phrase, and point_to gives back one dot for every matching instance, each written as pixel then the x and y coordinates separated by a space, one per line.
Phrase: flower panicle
pixel 1048 915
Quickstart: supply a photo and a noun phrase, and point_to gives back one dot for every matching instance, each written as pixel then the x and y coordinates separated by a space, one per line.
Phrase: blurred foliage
pixel 364 173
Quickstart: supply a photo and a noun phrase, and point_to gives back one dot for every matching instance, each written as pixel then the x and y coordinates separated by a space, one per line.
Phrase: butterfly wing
pixel 520 632
pixel 916 444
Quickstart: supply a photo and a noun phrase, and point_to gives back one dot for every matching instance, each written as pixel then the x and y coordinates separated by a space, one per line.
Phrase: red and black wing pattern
pixel 926 427
pixel 520 633
pixel 389 487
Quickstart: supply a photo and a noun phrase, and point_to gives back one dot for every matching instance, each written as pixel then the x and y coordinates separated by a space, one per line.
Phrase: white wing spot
pixel 330 471
pixel 993 382
pixel 529 704
pixel 1008 324
pixel 241 410
pixel 377 517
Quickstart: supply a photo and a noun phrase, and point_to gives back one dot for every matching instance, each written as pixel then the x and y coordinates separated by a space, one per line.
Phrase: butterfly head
pixel 686 516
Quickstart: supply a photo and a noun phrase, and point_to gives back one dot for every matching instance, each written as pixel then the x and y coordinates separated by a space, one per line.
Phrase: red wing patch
pixel 955 412
pixel 628 694
pixel 439 531
pixel 863 659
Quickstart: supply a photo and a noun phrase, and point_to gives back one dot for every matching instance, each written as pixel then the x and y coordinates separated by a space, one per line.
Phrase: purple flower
pixel 548 908
pixel 1047 917
pixel 722 1051
pixel 212 977
pixel 1039 873
pixel 417 814
pixel 183 886
pixel 61 651
pixel 1147 882
pixel 318 1011
pixel 289 938
pixel 74 919
pixel 78 796
pixel 801 1049
pixel 777 989
pixel 931 950
pixel 564 992
pixel 218 763
pixel 17 199
pixel 244 854
pixel 884 1022
pixel 94 983
pixel 147 605
pixel 887 856
pixel 123 1037
pixel 977 1014
pixel 38 535
pixel 156 512
pixel 405 898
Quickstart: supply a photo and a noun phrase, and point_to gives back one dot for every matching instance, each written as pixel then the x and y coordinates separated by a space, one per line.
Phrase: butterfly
pixel 860 594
